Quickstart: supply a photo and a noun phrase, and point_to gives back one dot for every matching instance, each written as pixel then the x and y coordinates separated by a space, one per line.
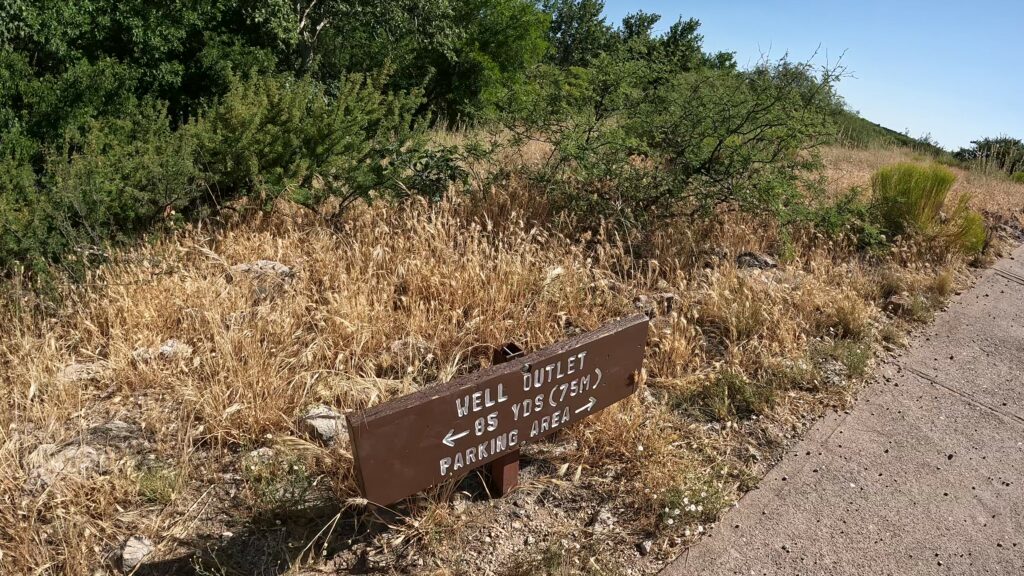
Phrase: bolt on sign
pixel 444 431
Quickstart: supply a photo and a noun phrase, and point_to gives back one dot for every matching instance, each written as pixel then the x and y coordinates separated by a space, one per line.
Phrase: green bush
pixel 114 178
pixel 1018 177
pixel 119 176
pixel 909 199
pixel 969 231
pixel 848 217
pixel 639 143
pixel 278 135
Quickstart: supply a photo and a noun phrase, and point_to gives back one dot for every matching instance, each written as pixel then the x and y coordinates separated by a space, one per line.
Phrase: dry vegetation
pixel 164 446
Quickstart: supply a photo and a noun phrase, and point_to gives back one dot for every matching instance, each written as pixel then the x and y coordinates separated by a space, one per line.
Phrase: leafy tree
pixel 691 143
pixel 501 39
pixel 578 31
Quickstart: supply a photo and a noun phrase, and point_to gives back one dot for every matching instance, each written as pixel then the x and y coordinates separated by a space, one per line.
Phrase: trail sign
pixel 444 431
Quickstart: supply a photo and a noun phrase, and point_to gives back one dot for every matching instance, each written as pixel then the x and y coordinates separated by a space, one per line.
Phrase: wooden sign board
pixel 444 431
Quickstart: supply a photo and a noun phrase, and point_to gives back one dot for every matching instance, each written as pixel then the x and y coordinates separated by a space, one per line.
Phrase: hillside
pixel 164 398
pixel 225 228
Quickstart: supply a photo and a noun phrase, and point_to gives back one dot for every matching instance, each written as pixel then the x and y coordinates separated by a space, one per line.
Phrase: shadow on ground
pixel 272 544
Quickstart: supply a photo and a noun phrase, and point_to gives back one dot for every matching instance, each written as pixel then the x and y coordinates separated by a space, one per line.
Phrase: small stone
pixel 115 431
pixel 142 355
pixel 410 347
pixel 84 372
pixel 603 520
pixel 553 274
pixel 897 304
pixel 48 462
pixel 644 548
pixel 260 455
pixel 174 350
pixel 756 260
pixel 644 304
pixel 264 268
pixel 323 423
pixel 135 551
pixel 530 540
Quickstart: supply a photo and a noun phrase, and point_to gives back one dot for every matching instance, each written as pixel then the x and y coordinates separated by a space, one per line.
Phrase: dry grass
pixel 993 194
pixel 397 298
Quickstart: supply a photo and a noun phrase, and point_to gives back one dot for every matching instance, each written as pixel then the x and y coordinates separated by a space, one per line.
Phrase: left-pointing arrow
pixel 451 436
pixel 587 406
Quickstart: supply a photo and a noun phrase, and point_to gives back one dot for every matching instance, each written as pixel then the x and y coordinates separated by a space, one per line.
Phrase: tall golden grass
pixel 398 297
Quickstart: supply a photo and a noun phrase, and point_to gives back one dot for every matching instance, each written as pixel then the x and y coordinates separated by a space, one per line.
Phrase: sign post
pixel 504 472
pixel 444 431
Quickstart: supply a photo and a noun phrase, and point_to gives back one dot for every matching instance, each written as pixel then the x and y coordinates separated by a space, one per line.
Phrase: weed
pixel 792 374
pixel 159 484
pixel 730 396
pixel 854 355
pixel 277 484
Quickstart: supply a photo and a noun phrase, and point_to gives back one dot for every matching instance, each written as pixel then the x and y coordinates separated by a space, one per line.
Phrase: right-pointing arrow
pixel 587 406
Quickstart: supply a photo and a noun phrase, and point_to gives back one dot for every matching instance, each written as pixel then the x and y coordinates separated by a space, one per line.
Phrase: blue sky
pixel 951 69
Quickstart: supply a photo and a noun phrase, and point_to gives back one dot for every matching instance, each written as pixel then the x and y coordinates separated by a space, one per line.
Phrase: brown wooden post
pixel 503 473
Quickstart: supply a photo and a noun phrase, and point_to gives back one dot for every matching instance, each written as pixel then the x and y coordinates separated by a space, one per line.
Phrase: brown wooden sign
pixel 444 431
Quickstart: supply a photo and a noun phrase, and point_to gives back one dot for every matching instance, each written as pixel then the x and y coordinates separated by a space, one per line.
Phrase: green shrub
pixel 118 176
pixel 969 231
pixel 115 178
pixel 1018 177
pixel 851 217
pixel 277 135
pixel 909 200
pixel 640 143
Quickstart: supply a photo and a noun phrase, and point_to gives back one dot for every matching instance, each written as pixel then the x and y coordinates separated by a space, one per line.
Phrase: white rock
pixel 603 520
pixel 135 550
pixel 261 455
pixel 115 430
pixel 411 346
pixel 48 462
pixel 324 423
pixel 142 355
pixel 84 372
pixel 264 268
pixel 174 350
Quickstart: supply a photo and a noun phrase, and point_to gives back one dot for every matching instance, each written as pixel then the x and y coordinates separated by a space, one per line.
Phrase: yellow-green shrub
pixel 909 200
